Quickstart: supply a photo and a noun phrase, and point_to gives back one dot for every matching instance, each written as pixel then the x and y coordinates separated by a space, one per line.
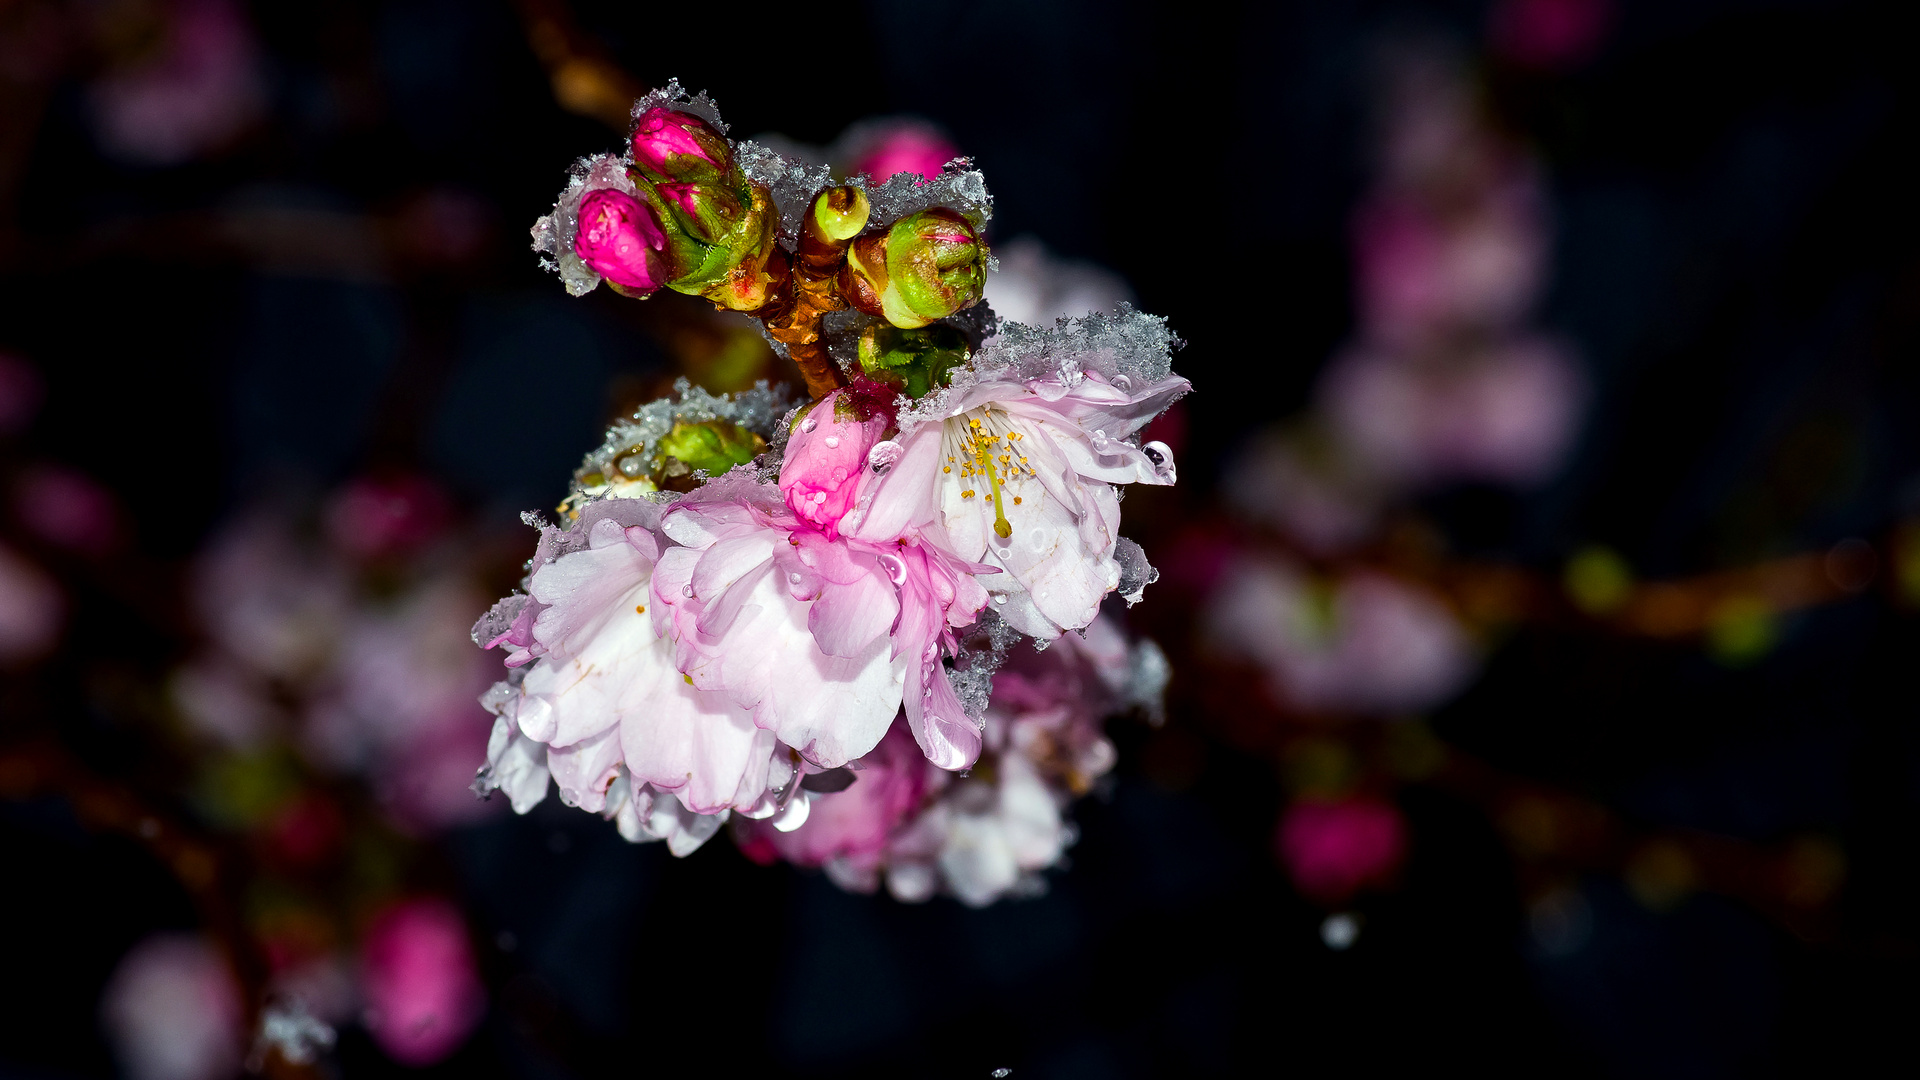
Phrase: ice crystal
pixel 1127 348
pixel 1136 573
pixel 553 233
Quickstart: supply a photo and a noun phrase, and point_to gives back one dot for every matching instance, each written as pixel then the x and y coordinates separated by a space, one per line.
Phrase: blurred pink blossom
pixel 422 990
pixel 68 508
pixel 392 515
pixel 1334 849
pixel 31 609
pixel 1508 414
pixel 1421 275
pixel 1549 34
pixel 890 147
pixel 20 393
pixel 200 89
pixel 172 1011
pixel 1362 642
pixel 1033 286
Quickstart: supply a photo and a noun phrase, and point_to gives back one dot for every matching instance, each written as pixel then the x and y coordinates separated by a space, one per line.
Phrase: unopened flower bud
pixel 621 240
pixel 838 214
pixel 912 362
pixel 679 147
pixel 827 451
pixel 927 266
pixel 713 446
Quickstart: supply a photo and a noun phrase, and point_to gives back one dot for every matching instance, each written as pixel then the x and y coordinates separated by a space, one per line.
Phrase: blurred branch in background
pixel 584 80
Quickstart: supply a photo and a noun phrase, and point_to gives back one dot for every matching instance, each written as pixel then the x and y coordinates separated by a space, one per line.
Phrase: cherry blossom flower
pixel 1019 474
pixel 601 699
pixel 823 640
pixel 990 833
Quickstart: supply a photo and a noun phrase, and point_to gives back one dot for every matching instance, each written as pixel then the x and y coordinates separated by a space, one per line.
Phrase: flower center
pixel 985 447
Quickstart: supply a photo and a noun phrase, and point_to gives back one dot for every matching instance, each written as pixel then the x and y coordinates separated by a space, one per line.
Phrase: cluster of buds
pixel 696 223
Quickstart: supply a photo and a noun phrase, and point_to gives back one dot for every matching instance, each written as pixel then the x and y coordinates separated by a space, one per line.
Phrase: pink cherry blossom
pixel 172 1011
pixel 848 830
pixel 827 453
pixel 1019 474
pixel 986 835
pixel 603 699
pixel 1334 849
pixel 1363 643
pixel 620 240
pixel 823 640
pixel 422 989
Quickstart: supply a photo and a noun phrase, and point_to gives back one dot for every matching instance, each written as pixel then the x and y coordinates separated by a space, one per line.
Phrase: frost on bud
pixel 678 147
pixel 829 448
pixel 713 447
pixel 926 267
pixel 621 240
pixel 912 362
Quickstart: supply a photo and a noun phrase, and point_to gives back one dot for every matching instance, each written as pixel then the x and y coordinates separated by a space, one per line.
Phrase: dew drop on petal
pixel 833 442
pixel 1122 383
pixel 999 598
pixel 794 576
pixel 808 425
pixel 883 455
pixel 686 590
pixel 896 568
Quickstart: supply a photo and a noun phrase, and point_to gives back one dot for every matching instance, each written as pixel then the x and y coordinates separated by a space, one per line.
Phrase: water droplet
pixel 1162 457
pixel 999 598
pixel 807 425
pixel 631 465
pixel 686 590
pixel 794 576
pixel 1122 383
pixel 883 455
pixel 833 442
pixel 1038 538
pixel 896 568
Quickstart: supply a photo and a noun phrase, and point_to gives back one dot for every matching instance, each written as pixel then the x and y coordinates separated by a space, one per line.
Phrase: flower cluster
pixel 742 611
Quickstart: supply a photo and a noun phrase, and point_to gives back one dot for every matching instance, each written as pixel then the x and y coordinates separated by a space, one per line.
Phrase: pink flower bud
pixel 828 451
pixel 679 146
pixel 422 990
pixel 621 240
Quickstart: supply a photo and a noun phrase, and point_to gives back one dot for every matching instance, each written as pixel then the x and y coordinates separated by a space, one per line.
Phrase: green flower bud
pixel 712 446
pixel 912 362
pixel 927 266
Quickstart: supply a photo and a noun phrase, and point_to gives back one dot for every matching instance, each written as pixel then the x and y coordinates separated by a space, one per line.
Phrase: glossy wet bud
pixel 713 446
pixel 912 362
pixel 620 238
pixel 926 267
pixel 678 147
pixel 838 214
pixel 828 449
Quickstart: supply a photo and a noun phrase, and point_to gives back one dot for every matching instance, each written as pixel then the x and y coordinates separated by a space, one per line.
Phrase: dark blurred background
pixel 317 270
